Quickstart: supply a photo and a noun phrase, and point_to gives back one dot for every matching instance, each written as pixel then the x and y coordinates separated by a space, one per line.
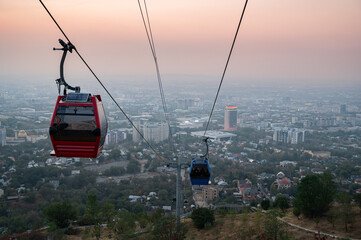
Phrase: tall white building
pixel 296 136
pixel 156 132
pixel 280 135
pixel 136 136
pixel 2 136
pixel 293 136
pixel 116 136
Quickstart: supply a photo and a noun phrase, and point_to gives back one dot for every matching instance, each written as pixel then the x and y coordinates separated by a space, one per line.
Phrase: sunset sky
pixel 280 41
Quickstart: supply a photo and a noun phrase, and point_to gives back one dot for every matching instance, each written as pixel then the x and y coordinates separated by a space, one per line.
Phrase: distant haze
pixel 280 41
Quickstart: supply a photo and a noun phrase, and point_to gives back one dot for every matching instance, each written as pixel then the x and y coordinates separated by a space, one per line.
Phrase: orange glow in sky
pixel 279 40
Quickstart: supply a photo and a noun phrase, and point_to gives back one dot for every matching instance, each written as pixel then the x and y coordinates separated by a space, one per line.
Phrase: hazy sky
pixel 280 40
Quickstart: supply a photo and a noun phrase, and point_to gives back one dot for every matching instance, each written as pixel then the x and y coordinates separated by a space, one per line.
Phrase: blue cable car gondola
pixel 200 171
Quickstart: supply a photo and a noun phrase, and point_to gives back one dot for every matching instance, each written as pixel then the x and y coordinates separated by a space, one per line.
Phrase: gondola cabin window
pixel 75 123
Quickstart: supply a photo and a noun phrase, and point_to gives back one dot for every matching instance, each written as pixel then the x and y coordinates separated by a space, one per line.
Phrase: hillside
pixel 234 226
pixel 241 226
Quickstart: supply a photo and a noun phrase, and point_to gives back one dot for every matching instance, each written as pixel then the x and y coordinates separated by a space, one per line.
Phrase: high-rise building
pixel 293 136
pixel 343 109
pixel 2 136
pixel 230 118
pixel 136 135
pixel 116 136
pixel 185 104
pixel 156 132
pixel 280 136
pixel 296 136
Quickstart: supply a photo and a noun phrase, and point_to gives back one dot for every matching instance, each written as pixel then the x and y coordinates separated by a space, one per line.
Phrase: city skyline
pixel 287 118
pixel 279 42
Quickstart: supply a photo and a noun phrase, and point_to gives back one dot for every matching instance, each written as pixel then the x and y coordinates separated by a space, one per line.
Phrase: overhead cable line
pixel 226 66
pixel 148 30
pixel 100 82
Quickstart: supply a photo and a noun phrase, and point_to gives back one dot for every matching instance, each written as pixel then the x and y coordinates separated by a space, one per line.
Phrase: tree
pixel 92 213
pixel 246 231
pixel 281 202
pixel 60 214
pixel 296 211
pixel 315 194
pixel 114 171
pixel 165 228
pixel 357 198
pixel 346 213
pixel 163 195
pixel 107 212
pixel 114 154
pixel 133 167
pixel 122 225
pixel 265 204
pixel 202 217
pixel 332 215
pixel 273 228
pixel 92 208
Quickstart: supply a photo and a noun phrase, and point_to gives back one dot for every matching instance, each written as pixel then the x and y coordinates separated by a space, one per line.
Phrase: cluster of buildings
pixel 116 136
pixel 188 103
pixel 159 131
pixel 20 136
pixel 286 135
pixel 152 131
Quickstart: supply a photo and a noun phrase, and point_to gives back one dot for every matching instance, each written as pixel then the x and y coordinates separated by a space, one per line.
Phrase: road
pixel 315 231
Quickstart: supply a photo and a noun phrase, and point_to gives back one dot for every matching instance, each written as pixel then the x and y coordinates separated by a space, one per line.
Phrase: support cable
pixel 226 66
pixel 100 82
pixel 148 30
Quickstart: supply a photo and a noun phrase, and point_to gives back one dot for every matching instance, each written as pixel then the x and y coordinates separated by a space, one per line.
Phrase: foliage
pixel 92 214
pixel 246 231
pixel 60 214
pixel 202 217
pixel 296 211
pixel 115 154
pixel 31 176
pixel 357 199
pixel 281 202
pixel 346 213
pixel 133 167
pixel 163 194
pixel 315 194
pixel 122 225
pixel 95 214
pixel 84 179
pixel 265 204
pixel 273 228
pixel 107 212
pixel 165 228
pixel 92 211
pixel 332 215
pixel 114 171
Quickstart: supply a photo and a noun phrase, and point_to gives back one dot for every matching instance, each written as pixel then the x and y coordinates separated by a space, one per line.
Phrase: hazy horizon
pixel 280 43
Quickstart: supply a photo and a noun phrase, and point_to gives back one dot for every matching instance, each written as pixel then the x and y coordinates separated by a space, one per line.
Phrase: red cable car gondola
pixel 78 126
